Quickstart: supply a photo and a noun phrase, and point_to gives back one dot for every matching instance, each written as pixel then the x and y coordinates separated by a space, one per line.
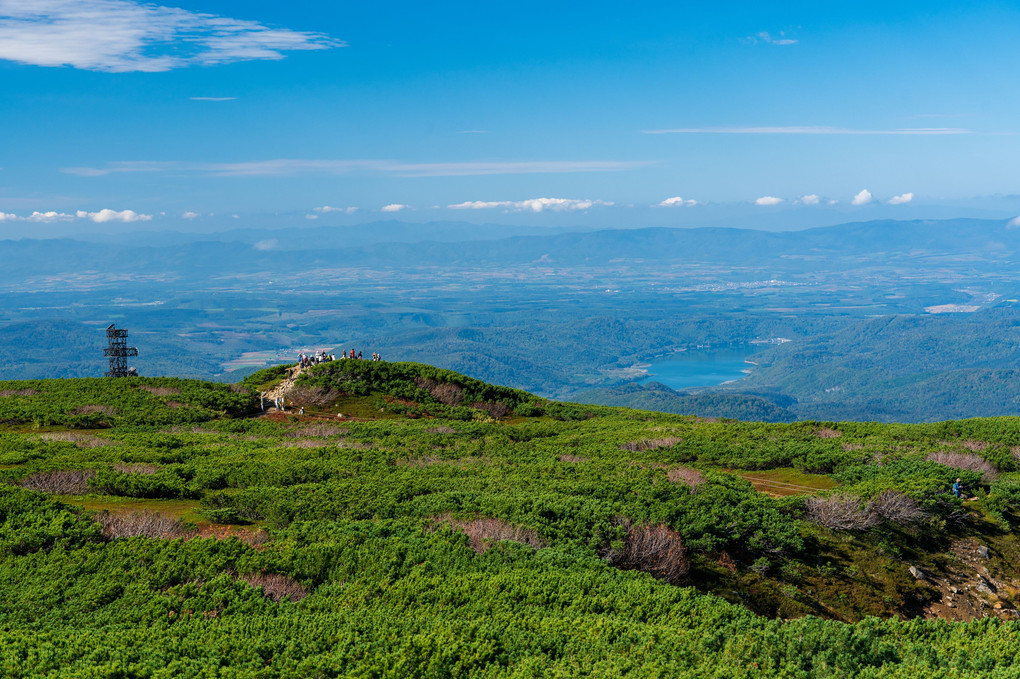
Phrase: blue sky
pixel 211 115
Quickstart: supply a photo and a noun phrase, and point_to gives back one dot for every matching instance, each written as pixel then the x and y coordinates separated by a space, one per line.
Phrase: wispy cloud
pixel 1011 224
pixel 901 199
pixel 127 35
pixel 213 98
pixel 809 199
pixel 677 201
pixel 531 205
pixel 189 215
pixel 395 207
pixel 292 166
pixel 862 198
pixel 769 39
pixel 326 209
pixel 768 200
pixel 807 129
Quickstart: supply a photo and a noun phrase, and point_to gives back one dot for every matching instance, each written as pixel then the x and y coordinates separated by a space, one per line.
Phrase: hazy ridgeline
pixel 566 315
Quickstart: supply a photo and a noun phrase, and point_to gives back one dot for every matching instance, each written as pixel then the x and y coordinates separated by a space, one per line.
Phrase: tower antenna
pixel 118 352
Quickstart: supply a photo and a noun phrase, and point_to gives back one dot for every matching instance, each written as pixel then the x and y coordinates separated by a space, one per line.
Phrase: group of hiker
pixel 305 361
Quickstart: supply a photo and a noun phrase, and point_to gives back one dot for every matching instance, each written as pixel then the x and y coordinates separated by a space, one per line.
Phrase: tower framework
pixel 118 352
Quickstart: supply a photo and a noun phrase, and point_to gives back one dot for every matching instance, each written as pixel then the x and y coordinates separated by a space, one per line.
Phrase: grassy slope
pixel 350 508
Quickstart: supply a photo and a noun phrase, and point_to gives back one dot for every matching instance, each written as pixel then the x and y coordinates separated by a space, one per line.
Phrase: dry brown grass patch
pixel 59 482
pixel 651 444
pixel 442 429
pixel 160 391
pixel 444 392
pixel 484 532
pixel 687 476
pixel 305 443
pixel 828 433
pixel 966 462
pixel 495 409
pixel 311 396
pixel 322 429
pixel 572 458
pixel 94 409
pixel 143 524
pixel 895 507
pixel 275 586
pixel 841 511
pixel 4 393
pixel 655 549
pixel 143 468
pixel 78 438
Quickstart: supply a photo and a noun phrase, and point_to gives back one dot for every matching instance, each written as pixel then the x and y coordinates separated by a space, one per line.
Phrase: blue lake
pixel 700 367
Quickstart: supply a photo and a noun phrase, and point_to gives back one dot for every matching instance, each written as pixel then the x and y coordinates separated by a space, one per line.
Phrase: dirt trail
pixel 282 389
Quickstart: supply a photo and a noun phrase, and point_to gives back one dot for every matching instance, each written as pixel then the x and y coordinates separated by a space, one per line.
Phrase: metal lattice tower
pixel 118 351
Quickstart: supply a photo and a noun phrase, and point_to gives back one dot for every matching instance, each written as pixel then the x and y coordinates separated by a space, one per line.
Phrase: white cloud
pixel 1011 224
pixel 531 205
pixel 901 199
pixel 395 207
pixel 292 166
pixel 268 244
pixel 48 217
pixel 107 215
pixel 809 199
pixel 862 198
pixel 213 98
pixel 676 201
pixel 37 217
pixel 189 215
pixel 768 200
pixel 795 129
pixel 311 216
pixel 327 209
pixel 127 35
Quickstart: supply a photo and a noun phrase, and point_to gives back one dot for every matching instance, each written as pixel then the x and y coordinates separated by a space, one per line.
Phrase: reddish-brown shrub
pixel 651 444
pixel 59 482
pixel 687 476
pixel 276 586
pixel 840 512
pixel 967 462
pixel 655 549
pixel 142 524
pixel 895 507
pixel 484 532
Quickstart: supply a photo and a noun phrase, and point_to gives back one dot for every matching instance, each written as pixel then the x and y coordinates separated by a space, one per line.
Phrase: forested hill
pixel 402 520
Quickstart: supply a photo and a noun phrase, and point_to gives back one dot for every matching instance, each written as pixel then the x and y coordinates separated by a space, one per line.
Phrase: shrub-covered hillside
pixel 415 522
